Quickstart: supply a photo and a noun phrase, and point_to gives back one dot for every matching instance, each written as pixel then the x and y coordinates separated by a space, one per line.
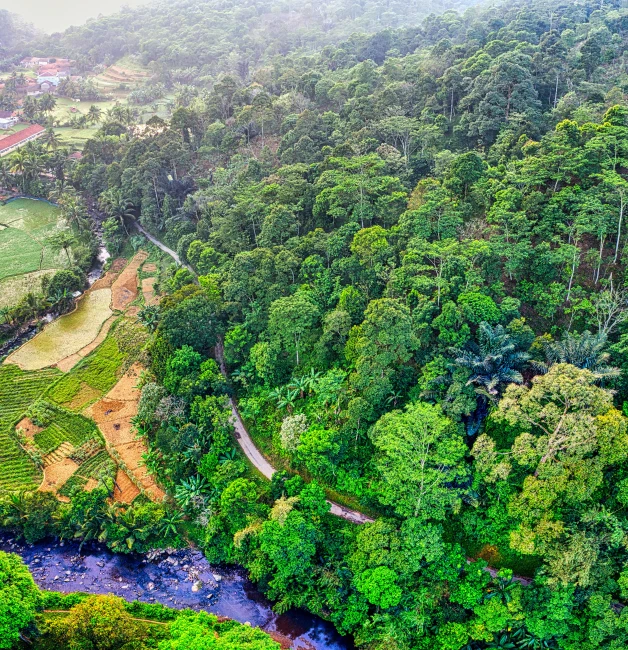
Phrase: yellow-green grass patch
pixel 13 289
pixel 67 335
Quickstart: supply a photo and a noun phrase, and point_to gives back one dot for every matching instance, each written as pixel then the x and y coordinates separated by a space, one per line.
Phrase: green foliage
pixel 19 599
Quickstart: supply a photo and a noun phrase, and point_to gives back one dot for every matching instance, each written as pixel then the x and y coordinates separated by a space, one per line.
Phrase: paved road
pixel 163 247
pixel 241 434
pixel 259 461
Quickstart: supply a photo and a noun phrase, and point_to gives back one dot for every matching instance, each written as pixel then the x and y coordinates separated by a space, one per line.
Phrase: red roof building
pixel 14 141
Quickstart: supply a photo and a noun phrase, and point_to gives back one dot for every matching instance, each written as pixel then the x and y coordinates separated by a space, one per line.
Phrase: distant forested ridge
pixel 15 33
pixel 214 36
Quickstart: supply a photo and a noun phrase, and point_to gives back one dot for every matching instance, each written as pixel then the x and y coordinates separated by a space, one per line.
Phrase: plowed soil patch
pixel 118 264
pixel 28 427
pixel 113 414
pixel 126 388
pixel 149 268
pixel 91 484
pixel 106 281
pixel 57 474
pixel 148 291
pixel 113 418
pixel 125 490
pixel 124 289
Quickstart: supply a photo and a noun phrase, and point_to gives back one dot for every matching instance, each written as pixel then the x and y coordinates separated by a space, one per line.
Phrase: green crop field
pixel 25 226
pixel 18 389
pixel 98 372
pixel 75 137
pixel 64 427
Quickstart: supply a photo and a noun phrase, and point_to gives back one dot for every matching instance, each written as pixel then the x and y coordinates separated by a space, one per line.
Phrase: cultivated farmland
pixel 18 389
pixel 25 255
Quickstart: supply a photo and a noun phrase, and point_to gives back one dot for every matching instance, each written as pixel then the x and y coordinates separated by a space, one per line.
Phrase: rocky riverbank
pixel 175 578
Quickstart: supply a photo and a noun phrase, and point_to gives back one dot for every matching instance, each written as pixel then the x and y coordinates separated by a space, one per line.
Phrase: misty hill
pixel 235 33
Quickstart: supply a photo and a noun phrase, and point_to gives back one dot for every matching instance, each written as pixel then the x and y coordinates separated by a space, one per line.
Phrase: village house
pixel 35 62
pixel 7 120
pixel 10 143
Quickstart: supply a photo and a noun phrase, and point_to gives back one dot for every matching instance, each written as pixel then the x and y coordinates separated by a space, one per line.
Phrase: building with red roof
pixel 10 143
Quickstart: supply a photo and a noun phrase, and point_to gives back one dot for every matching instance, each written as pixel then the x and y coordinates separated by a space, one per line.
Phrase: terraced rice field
pixel 66 427
pixel 67 335
pixel 18 389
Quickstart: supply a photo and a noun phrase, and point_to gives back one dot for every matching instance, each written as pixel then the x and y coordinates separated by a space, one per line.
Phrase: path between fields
pixel 256 457
pixel 163 247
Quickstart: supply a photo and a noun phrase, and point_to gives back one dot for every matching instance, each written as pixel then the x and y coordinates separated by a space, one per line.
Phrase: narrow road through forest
pixel 259 461
pixel 255 456
pixel 242 436
pixel 163 247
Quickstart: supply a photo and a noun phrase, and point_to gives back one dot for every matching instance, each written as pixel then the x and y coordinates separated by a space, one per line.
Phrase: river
pixel 179 579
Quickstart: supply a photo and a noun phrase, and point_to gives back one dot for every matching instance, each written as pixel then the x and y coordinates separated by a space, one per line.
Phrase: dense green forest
pixel 409 247
pixel 196 40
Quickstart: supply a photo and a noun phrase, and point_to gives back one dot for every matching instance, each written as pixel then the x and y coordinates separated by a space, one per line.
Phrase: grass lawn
pixel 26 225
pixel 75 137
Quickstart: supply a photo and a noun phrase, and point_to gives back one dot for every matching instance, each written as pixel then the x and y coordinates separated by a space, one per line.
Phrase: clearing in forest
pixel 113 414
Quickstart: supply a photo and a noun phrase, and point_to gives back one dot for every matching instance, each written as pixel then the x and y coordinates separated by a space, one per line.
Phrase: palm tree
pixel 47 103
pixel 51 139
pixel 494 362
pixel 62 241
pixel 300 384
pixel 6 179
pixel 73 209
pixel 149 316
pixel 19 165
pixel 94 113
pixel 169 525
pixel 191 492
pixel 116 205
pixel 584 350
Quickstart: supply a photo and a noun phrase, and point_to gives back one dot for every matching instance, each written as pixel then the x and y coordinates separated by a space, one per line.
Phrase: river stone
pixel 150 586
pixel 196 586
pixel 217 578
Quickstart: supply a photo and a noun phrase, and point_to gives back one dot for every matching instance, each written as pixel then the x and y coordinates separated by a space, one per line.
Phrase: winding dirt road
pixel 242 436
pixel 256 457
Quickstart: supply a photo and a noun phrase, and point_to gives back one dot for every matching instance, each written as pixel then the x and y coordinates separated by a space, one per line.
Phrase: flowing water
pixel 179 579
